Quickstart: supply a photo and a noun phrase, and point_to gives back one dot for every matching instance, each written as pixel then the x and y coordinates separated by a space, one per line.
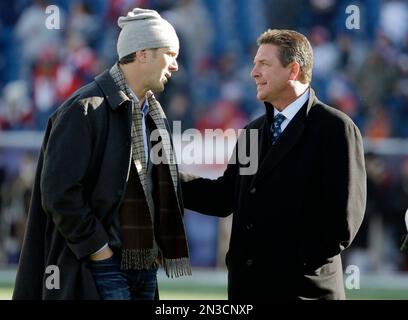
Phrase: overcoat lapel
pixel 288 139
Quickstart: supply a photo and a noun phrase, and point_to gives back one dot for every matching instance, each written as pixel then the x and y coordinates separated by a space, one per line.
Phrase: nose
pixel 173 65
pixel 254 72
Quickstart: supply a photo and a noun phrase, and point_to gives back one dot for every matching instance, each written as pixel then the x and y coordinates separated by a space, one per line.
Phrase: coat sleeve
pixel 208 196
pixel 66 162
pixel 343 194
pixel 215 197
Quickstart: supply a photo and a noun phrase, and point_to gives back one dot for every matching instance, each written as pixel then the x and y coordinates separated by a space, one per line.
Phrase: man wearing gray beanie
pixel 106 208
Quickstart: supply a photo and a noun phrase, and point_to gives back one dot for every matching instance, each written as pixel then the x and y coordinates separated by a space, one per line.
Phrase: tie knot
pixel 278 119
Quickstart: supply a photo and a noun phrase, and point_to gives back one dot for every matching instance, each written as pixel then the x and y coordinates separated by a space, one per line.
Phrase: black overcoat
pixel 295 215
pixel 79 185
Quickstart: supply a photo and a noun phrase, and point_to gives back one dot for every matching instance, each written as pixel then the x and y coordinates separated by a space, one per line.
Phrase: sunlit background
pixel 362 71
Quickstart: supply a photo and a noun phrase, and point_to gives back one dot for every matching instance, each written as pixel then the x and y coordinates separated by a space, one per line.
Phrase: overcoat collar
pixel 112 92
pixel 286 141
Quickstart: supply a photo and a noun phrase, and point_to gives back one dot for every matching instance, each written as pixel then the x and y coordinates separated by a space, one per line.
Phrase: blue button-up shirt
pixel 145 111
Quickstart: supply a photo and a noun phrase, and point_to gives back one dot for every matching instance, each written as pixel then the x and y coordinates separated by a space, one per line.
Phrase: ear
pixel 294 71
pixel 141 56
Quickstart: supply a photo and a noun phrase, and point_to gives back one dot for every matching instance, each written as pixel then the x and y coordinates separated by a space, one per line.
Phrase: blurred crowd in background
pixel 363 72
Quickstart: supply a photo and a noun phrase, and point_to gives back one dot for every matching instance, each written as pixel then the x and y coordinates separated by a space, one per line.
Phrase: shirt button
pixel 252 191
pixel 249 262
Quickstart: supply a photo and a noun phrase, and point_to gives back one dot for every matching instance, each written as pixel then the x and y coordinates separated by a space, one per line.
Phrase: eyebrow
pixel 260 60
pixel 174 54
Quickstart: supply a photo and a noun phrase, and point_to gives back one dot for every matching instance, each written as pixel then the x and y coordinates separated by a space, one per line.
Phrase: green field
pixel 211 285
pixel 166 293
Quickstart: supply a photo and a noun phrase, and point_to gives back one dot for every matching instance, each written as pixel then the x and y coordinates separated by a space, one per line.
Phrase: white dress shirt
pixel 290 111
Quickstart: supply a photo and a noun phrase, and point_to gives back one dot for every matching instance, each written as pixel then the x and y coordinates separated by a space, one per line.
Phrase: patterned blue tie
pixel 276 129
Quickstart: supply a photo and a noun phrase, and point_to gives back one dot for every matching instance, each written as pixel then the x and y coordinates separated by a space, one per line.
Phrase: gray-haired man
pixel 102 214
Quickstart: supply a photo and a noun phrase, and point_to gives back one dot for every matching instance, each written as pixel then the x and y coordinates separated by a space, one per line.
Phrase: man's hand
pixel 101 255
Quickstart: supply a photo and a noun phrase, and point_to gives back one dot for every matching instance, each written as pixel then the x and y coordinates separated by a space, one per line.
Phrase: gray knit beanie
pixel 144 29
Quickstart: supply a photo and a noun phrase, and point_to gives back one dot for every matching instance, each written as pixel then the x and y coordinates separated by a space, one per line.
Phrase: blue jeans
pixel 116 284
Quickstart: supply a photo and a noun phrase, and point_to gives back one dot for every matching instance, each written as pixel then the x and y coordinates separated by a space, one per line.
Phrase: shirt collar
pixel 290 111
pixel 145 107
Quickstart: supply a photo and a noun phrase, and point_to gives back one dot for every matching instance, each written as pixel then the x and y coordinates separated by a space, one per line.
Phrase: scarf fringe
pixel 137 258
pixel 177 267
pixel 144 258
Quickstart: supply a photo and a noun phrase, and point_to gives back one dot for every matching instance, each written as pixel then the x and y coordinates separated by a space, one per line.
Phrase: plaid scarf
pixel 140 230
